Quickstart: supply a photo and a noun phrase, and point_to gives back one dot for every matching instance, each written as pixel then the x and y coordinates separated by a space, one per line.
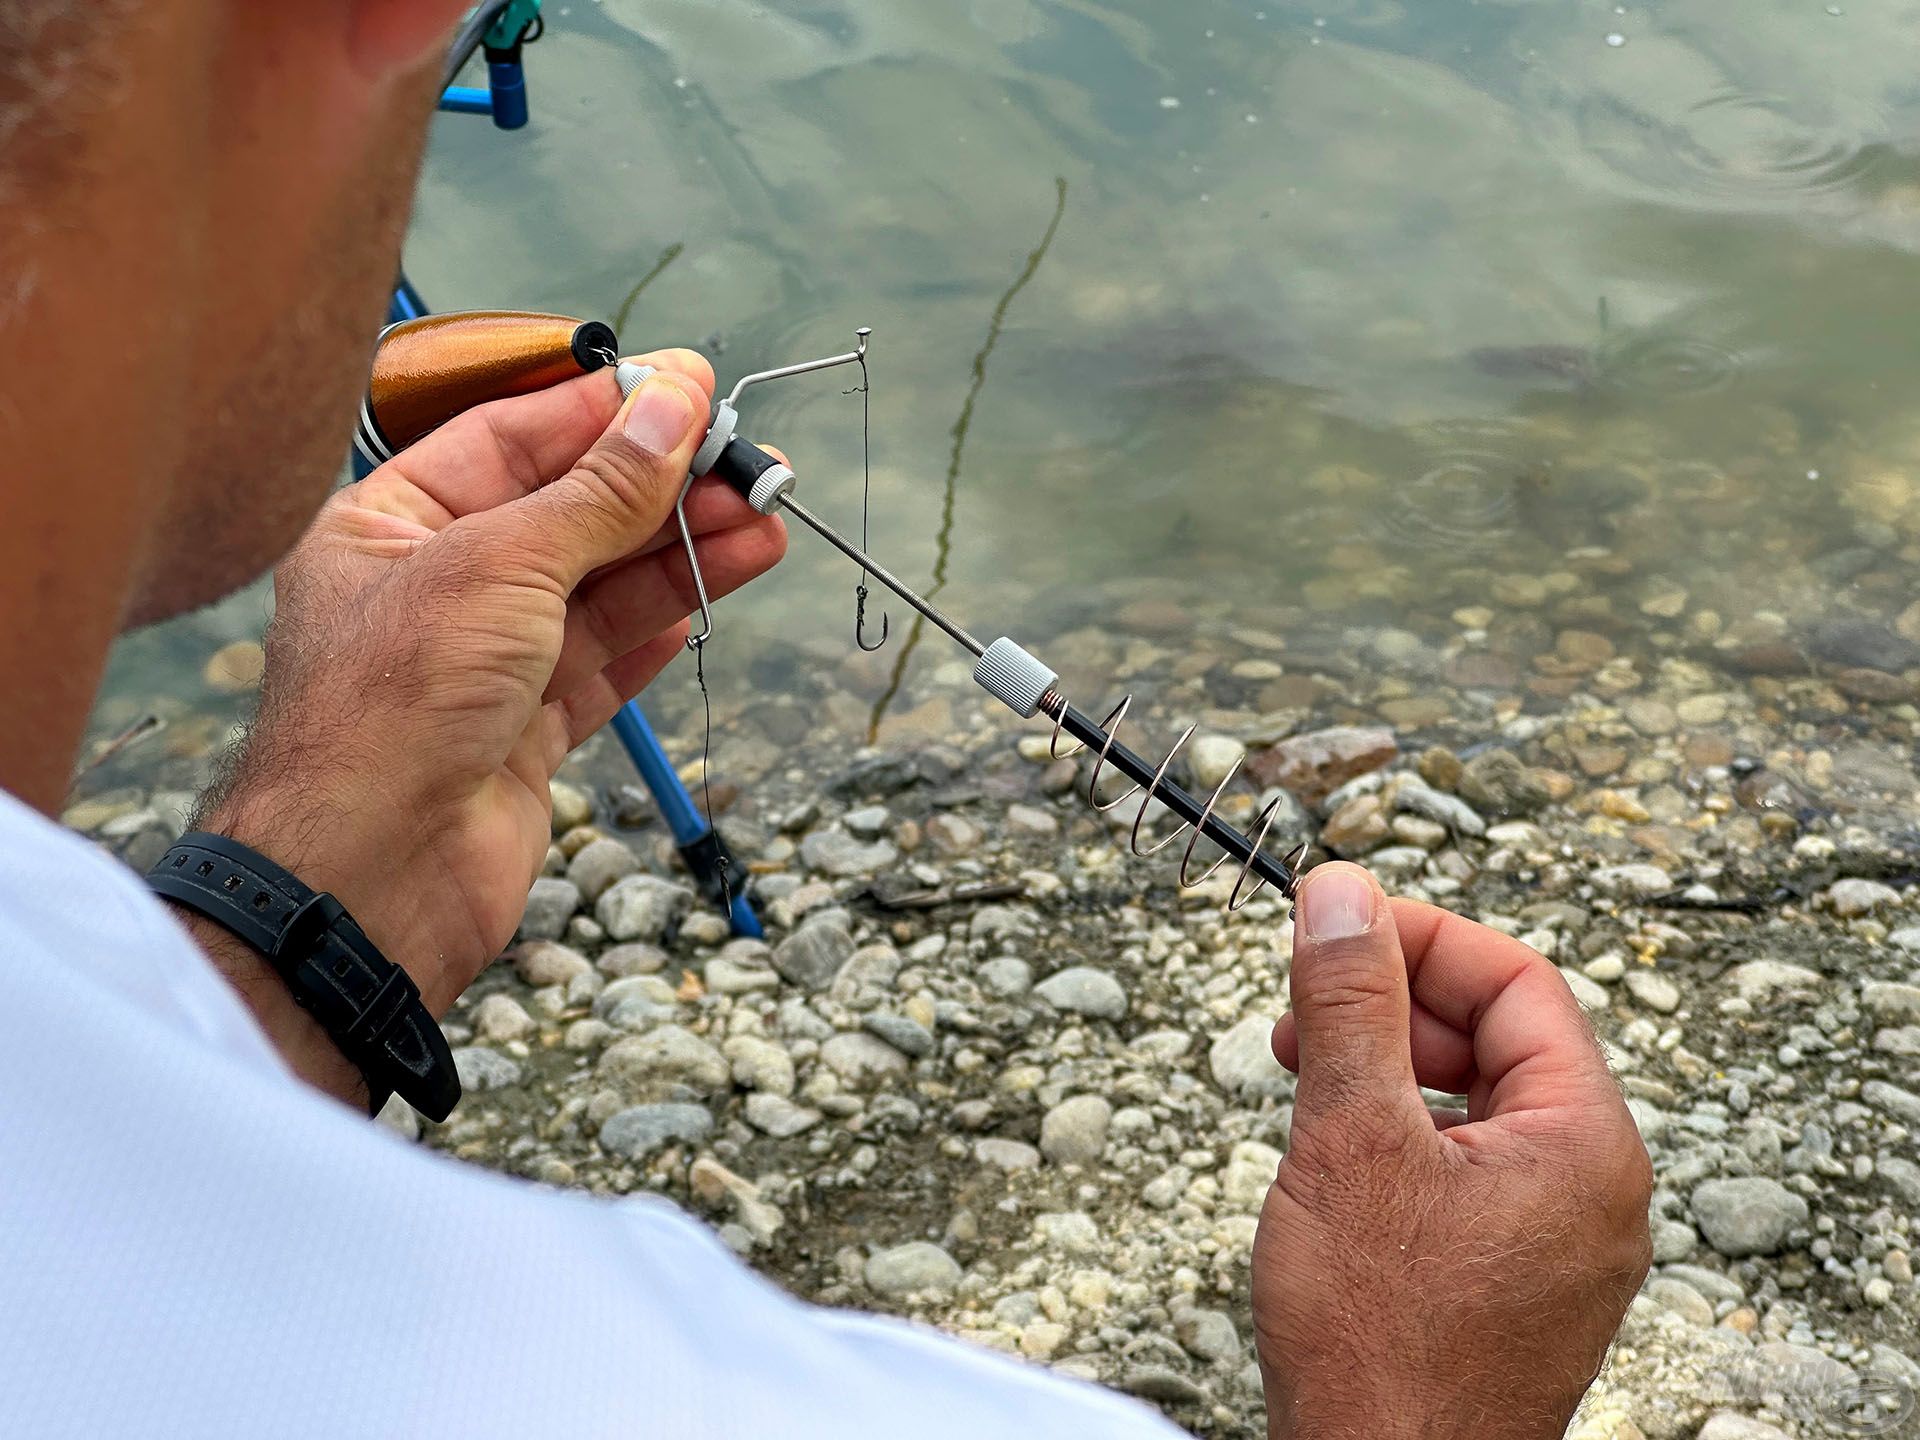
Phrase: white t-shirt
pixel 192 1243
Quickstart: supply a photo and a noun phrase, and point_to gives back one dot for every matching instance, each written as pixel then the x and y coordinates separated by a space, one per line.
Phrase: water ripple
pixel 1465 497
pixel 1664 364
pixel 1733 145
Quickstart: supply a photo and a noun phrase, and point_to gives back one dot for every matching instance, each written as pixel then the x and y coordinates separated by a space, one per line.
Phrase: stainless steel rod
pixel 880 572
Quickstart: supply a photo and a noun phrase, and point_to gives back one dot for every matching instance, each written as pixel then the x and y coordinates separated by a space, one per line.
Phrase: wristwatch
pixel 366 1003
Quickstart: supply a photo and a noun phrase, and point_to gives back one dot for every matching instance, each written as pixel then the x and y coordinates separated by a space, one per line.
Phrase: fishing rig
pixel 426 371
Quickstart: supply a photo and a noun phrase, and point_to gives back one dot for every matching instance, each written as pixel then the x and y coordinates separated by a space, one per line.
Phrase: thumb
pixel 1350 1002
pixel 621 491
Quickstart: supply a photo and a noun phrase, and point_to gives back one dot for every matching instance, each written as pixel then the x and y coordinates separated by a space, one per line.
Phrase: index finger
pixel 1532 1046
pixel 507 449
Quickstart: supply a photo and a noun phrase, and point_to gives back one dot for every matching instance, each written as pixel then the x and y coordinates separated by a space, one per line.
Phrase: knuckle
pixel 1343 976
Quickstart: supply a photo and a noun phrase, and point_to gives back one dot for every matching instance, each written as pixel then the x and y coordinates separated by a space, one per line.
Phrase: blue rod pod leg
pixel 713 866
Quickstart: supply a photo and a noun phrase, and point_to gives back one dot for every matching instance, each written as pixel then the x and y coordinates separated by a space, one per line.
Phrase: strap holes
pixel 233 882
pixel 262 899
pixel 206 867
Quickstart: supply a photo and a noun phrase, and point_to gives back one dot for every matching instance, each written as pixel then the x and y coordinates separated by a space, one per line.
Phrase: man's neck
pixel 61 593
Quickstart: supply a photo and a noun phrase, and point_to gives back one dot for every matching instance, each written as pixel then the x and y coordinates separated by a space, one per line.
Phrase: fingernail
pixel 1336 905
pixel 659 416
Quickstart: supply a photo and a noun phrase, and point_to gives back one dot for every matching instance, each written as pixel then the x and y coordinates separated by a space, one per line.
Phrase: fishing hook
pixel 860 622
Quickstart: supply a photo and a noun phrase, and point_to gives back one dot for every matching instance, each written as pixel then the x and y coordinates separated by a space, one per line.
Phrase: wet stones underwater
pixel 990 1071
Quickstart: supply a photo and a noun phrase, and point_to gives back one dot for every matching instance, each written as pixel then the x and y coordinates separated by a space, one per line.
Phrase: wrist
pixel 301 1040
pixel 324 845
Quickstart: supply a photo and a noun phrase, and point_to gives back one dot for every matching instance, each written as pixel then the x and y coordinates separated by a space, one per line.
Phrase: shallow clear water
pixel 1352 307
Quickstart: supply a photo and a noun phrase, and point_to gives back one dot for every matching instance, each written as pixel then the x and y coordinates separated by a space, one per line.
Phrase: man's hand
pixel 445 633
pixel 1436 1274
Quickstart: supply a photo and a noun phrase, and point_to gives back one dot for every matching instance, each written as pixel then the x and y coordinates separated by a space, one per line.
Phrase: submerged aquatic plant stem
pixel 943 542
pixel 625 312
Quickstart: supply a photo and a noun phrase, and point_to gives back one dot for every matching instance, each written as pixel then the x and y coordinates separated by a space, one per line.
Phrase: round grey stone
pixel 1074 1132
pixel 906 1035
pixel 1006 978
pixel 481 1069
pixel 813 954
pixel 1084 991
pixel 641 1129
pixel 598 864
pixel 662 1058
pixel 835 852
pixel 1747 1215
pixel 550 904
pixel 642 907
pixel 917 1267
pixel 1243 1065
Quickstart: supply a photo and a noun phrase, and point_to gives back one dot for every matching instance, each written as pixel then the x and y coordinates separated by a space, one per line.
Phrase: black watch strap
pixel 368 1004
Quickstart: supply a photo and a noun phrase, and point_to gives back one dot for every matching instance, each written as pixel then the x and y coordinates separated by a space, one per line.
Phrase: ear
pixel 394 37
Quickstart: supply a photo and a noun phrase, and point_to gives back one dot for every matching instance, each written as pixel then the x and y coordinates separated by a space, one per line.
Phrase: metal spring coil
pixel 1054 705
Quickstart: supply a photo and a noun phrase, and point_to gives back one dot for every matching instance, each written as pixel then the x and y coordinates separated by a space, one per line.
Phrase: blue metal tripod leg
pixel 706 854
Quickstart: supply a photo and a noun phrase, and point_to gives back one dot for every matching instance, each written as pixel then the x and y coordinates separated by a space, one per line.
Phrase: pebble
pixel 1651 717
pixel 1496 782
pixel 1414 795
pixel 1213 758
pixel 902 1032
pixel 834 852
pixel 550 904
pixel 635 957
pixel 1314 765
pixel 1084 991
pixel 1632 880
pixel 1248 1175
pixel 778 1116
pixel 499 1018
pixel 481 1069
pixel 639 1130
pixel 1891 1000
pixel 739 975
pixel 1209 1334
pixel 1006 1154
pixel 1747 1215
pixel 857 1056
pixel 1682 1299
pixel 650 1065
pixel 918 1267
pixel 869 822
pixel 1006 977
pixel 953 835
pixel 572 806
pixel 1702 709
pixel 812 956
pixel 759 1064
pixel 1356 827
pixel 1071 1231
pixel 1243 1065
pixel 547 962
pixel 1901 1176
pixel 642 907
pixel 1163 1384
pixel 235 669
pixel 1728 1425
pixel 596 865
pixel 1074 1132
pixel 1903 1105
pixel 1653 990
pixel 1851 898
